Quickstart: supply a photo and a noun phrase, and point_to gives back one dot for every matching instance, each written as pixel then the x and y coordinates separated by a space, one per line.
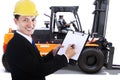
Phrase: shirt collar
pixel 27 37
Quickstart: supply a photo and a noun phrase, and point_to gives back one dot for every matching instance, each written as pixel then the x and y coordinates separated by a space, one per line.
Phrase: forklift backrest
pixel 58 26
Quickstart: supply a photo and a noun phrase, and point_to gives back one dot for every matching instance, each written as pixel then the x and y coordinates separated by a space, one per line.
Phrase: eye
pixel 26 20
pixel 34 19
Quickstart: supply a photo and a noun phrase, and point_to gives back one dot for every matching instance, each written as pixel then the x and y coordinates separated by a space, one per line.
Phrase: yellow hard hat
pixel 25 8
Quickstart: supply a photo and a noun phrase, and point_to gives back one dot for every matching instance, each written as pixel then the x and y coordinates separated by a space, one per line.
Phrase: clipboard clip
pixel 83 33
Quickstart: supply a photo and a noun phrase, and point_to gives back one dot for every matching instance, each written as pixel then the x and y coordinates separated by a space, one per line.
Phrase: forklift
pixel 96 53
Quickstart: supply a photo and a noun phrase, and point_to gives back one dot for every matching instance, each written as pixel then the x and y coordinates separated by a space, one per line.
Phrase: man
pixel 23 57
pixel 64 26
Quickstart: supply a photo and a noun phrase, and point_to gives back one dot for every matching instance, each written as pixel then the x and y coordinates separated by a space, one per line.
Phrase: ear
pixel 15 21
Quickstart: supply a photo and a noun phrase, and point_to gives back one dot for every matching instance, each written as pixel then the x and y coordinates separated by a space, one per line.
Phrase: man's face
pixel 26 24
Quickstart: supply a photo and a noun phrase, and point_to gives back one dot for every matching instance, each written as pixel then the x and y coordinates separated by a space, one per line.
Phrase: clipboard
pixel 77 38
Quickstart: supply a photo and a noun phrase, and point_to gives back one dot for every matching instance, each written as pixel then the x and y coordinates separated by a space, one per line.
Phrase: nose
pixel 31 23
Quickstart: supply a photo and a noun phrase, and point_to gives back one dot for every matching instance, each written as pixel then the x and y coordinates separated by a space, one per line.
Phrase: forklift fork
pixel 110 64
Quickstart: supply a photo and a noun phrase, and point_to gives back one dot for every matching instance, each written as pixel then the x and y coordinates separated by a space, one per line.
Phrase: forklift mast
pixel 100 18
pixel 99 28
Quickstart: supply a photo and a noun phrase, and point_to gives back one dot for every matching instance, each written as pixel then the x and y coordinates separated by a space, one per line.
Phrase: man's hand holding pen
pixel 70 51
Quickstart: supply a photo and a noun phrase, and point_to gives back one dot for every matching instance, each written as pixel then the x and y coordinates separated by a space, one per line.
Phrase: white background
pixel 86 8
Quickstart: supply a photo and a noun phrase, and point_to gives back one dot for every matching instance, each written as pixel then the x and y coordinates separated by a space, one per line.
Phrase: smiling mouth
pixel 29 29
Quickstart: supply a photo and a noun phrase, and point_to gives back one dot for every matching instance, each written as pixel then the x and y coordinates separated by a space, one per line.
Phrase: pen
pixel 73 46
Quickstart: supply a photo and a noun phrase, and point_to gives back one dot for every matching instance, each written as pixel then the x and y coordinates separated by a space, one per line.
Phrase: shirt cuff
pixel 67 58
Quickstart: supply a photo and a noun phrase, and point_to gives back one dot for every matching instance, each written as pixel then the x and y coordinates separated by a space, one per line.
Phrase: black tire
pixel 5 63
pixel 91 60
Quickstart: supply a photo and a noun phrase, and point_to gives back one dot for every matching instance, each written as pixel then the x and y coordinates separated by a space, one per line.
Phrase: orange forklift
pixel 97 52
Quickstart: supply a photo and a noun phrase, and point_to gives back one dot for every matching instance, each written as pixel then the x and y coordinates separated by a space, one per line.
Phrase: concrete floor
pixel 73 73
pixel 76 70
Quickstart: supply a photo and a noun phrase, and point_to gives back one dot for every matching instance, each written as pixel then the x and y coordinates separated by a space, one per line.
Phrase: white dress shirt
pixel 27 37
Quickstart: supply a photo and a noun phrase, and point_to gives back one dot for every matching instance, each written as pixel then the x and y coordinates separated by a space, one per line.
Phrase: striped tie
pixel 35 48
pixel 33 43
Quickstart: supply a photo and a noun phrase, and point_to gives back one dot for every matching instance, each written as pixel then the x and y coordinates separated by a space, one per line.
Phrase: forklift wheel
pixel 5 63
pixel 91 60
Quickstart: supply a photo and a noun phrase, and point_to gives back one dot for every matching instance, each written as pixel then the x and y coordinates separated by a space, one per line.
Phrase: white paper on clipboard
pixel 77 38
